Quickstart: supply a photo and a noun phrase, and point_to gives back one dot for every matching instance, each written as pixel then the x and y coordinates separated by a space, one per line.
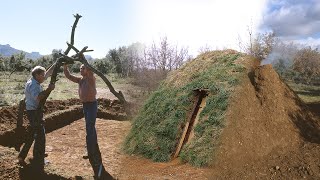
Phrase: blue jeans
pixel 90 114
pixel 36 133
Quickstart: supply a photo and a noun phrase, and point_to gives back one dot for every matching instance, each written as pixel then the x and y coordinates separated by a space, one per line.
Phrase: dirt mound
pixel 8 168
pixel 57 113
pixel 8 117
pixel 267 127
pixel 9 114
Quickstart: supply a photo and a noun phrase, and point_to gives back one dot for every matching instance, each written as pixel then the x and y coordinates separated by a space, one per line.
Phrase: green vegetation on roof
pixel 158 127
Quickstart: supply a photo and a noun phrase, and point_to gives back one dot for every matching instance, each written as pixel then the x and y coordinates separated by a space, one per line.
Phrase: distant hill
pixel 7 50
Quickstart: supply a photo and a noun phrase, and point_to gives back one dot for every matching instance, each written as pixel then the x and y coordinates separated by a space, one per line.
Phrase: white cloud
pixel 310 41
pixel 214 23
pixel 293 18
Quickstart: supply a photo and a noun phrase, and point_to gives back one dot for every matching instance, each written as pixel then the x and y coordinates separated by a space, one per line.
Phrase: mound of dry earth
pixel 269 132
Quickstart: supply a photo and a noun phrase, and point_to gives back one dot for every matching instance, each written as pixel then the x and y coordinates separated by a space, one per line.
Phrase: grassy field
pixel 307 93
pixel 12 88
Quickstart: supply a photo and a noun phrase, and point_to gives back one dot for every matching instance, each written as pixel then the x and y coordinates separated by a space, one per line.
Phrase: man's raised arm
pixel 69 76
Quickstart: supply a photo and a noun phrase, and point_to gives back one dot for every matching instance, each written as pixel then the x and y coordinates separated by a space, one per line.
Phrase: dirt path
pixel 66 146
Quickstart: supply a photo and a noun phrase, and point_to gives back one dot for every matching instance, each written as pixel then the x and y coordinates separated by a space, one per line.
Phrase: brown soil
pixel 69 152
pixel 269 132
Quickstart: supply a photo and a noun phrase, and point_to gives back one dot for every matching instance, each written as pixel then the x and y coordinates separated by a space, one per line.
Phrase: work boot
pixel 38 161
pixel 106 176
pixel 21 162
pixel 98 171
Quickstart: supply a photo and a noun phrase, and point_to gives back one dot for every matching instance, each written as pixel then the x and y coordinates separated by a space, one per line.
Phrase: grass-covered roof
pixel 159 125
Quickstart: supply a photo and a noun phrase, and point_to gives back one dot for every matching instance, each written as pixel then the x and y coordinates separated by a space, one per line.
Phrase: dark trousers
pixel 90 114
pixel 36 133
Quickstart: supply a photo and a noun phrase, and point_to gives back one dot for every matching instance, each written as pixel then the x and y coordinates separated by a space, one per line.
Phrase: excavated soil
pixel 269 134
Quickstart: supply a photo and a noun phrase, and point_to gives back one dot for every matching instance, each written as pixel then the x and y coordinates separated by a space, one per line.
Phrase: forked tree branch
pixel 65 59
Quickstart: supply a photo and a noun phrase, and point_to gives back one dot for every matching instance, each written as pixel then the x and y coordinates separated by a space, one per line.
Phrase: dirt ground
pixel 66 146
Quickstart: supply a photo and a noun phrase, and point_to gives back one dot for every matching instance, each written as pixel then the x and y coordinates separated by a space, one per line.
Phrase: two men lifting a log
pixel 36 98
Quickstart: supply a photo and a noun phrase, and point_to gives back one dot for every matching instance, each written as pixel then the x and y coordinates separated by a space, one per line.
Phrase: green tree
pixel 56 54
pixel 2 63
pixel 103 65
pixel 17 63
pixel 114 56
pixel 307 63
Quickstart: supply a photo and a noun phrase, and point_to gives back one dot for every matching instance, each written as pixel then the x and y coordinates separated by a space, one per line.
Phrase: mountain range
pixel 7 51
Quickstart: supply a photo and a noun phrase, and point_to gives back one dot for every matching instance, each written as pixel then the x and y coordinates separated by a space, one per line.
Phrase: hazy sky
pixel 42 26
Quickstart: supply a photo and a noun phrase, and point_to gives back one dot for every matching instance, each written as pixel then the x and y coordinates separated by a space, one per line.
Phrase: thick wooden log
pixel 80 57
pixel 119 94
pixel 77 16
pixel 22 106
pixel 58 64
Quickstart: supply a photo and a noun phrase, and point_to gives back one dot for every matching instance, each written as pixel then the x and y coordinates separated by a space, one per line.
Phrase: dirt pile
pixel 57 113
pixel 8 118
pixel 8 169
pixel 268 127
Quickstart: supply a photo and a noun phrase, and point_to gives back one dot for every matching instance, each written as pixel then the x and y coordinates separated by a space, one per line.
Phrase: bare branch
pixel 72 47
pixel 77 16
pixel 64 58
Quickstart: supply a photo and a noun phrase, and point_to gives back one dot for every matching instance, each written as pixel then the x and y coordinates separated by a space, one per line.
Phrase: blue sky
pixel 42 26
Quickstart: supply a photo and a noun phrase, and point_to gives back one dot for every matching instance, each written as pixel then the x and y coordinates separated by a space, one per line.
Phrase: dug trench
pixel 59 117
